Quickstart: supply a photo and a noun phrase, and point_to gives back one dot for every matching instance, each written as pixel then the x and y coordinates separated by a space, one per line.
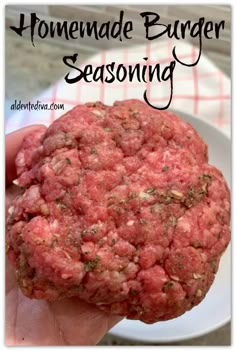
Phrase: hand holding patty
pixel 119 208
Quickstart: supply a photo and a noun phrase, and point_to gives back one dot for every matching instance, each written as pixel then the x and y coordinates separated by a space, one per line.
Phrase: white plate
pixel 215 310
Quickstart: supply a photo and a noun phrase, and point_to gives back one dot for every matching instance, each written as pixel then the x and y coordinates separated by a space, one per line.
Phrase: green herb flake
pixel 22 263
pixel 167 286
pixel 151 191
pixel 197 244
pixel 142 221
pixel 7 247
pixel 57 200
pixel 213 265
pixel 93 150
pixel 107 129
pixel 68 160
pixel 154 208
pixel 84 232
pixel 91 265
pixel 191 191
pixel 113 241
pixel 203 190
pixel 122 201
pixel 136 113
pixel 93 231
pixel 134 292
pixel 167 199
pixel 110 203
pixel 174 220
pixel 166 168
pixel 132 195
pixel 63 206
pixel 206 177
pixel 112 197
pixel 180 265
pixel 53 243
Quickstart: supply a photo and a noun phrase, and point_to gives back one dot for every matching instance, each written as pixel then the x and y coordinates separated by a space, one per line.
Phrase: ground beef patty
pixel 120 208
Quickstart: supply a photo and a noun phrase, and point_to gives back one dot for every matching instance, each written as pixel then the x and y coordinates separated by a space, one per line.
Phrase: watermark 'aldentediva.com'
pixel 36 106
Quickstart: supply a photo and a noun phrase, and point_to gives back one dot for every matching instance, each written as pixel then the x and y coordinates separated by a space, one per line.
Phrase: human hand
pixel 39 322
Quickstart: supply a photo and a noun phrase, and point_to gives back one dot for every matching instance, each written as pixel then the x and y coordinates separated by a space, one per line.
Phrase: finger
pixel 12 144
pixel 29 322
pixel 81 323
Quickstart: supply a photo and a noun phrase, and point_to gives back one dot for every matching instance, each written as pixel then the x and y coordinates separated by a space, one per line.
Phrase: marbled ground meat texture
pixel 120 208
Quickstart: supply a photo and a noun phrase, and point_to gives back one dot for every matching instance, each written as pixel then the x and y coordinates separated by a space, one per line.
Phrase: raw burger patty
pixel 120 208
